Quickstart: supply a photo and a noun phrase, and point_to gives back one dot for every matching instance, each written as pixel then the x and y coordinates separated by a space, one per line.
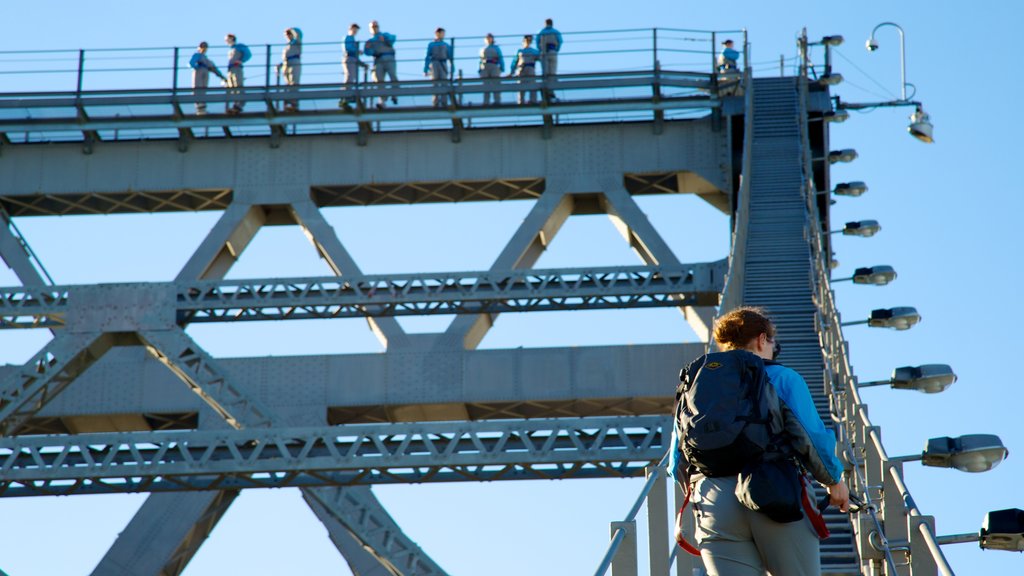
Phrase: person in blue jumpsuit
pixel 291 65
pixel 381 46
pixel 351 64
pixel 549 43
pixel 733 540
pixel 728 59
pixel 202 66
pixel 435 66
pixel 524 66
pixel 492 66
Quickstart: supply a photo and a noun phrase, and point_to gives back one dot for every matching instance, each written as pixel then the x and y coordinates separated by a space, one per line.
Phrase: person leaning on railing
pixel 728 59
pixel 733 539
pixel 201 67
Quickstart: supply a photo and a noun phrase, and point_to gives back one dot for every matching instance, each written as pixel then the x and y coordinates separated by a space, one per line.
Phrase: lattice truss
pixel 195 474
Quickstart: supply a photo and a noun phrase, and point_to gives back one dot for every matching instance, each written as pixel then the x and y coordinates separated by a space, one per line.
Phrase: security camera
pixel 871 45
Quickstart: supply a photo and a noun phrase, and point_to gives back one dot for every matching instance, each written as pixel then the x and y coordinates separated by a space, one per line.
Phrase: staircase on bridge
pixel 778 267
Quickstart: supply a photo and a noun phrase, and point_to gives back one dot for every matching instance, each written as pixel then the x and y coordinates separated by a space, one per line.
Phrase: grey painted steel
pixel 359 454
pixel 360 561
pixel 28 389
pixel 353 296
pixel 156 547
pixel 323 237
pixel 204 376
pixel 472 384
pixel 102 110
pixel 370 528
pixel 132 176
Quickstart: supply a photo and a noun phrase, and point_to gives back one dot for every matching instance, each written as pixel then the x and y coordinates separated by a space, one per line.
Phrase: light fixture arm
pixel 903 57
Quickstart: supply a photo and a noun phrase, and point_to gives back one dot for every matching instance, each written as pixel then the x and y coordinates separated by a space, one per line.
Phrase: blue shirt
pixel 437 51
pixel 351 47
pixel 549 40
pixel 525 57
pixel 380 44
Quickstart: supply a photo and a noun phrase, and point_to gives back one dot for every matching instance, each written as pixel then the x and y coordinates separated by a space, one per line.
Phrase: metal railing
pixel 115 94
pixel 168 67
pixel 889 523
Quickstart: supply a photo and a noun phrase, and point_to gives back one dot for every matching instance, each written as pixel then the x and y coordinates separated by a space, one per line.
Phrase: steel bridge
pixel 431 408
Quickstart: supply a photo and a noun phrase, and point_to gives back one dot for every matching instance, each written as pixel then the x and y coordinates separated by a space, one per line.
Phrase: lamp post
pixel 872 45
pixel 968 453
pixel 850 189
pixel 863 228
pixel 875 275
pixel 927 378
pixel 897 318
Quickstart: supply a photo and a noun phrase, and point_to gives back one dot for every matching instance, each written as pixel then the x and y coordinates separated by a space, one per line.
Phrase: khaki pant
pixel 351 69
pixel 528 81
pixel 235 81
pixel 439 74
pixel 291 72
pixel 200 81
pixel 385 67
pixel 736 541
pixel 491 74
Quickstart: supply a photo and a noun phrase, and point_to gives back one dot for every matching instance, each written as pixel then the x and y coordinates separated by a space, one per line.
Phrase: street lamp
pixel 850 189
pixel 920 126
pixel 969 453
pixel 863 228
pixel 898 318
pixel 1001 530
pixel 844 155
pixel 837 116
pixel 927 378
pixel 875 275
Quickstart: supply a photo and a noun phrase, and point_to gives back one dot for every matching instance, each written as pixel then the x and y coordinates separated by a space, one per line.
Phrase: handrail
pixel 854 430
pixel 147 65
pixel 619 534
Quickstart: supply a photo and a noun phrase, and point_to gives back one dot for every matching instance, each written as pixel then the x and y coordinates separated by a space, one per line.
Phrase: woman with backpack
pixel 735 540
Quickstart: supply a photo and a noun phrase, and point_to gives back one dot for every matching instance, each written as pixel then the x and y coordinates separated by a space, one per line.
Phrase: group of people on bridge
pixel 541 48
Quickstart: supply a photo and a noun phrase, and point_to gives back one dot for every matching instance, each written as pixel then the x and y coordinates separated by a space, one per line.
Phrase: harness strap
pixel 680 535
pixel 815 516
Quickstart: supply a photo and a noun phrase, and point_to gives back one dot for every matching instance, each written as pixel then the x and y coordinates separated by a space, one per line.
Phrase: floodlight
pixel 898 318
pixel 927 378
pixel 844 155
pixel 969 453
pixel 920 126
pixel 850 189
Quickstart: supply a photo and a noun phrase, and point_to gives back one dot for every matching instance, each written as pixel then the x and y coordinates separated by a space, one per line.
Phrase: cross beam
pixel 397 295
pixel 354 454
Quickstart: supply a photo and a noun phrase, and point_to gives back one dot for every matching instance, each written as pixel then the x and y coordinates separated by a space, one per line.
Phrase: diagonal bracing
pixel 353 454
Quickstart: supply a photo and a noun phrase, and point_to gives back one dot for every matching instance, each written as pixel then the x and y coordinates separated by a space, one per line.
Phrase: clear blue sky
pixel 950 214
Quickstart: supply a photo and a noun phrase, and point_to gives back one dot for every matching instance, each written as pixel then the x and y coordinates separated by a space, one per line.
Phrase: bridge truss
pixel 431 408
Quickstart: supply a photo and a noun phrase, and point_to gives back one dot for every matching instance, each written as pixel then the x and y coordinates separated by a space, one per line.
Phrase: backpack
pixel 727 413
pixel 246 53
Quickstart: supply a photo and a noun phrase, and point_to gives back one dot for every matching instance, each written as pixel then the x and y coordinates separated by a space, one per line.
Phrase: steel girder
pixel 354 454
pixel 404 294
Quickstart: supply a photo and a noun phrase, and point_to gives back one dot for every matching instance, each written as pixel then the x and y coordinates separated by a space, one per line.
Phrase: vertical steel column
pixel 657 523
pixel 174 80
pixel 654 48
pixel 81 72
pixel 624 563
